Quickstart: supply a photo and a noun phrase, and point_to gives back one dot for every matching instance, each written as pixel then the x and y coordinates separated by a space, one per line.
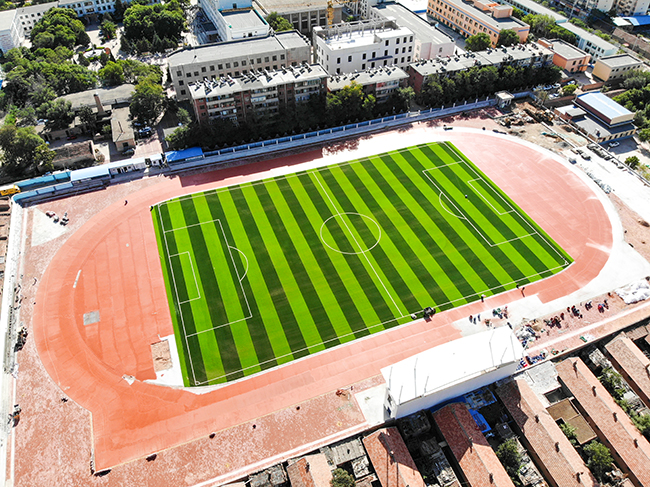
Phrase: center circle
pixel 350 233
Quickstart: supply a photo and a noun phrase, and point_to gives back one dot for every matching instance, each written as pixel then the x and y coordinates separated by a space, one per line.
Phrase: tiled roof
pixel 475 456
pixel 632 363
pixel 613 425
pixel 391 459
pixel 310 471
pixel 556 454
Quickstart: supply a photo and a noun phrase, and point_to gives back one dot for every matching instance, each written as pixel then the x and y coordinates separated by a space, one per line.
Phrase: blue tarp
pixel 480 421
pixel 184 155
pixel 94 172
pixel 43 181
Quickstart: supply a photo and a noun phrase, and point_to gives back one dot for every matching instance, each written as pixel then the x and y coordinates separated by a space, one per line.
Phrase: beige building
pixel 303 15
pixel 567 56
pixel 479 16
pixel 237 58
pixel 379 82
pixel 611 68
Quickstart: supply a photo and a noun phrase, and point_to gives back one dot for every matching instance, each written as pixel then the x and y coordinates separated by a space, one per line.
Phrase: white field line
pixel 543 237
pixel 336 210
pixel 196 283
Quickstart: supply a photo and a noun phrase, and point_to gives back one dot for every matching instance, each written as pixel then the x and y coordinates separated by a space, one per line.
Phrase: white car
pixel 613 144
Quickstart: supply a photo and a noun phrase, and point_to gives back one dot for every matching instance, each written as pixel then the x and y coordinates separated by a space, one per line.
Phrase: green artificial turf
pixel 262 273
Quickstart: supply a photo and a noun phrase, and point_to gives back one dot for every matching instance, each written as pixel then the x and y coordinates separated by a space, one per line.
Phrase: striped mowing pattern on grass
pixel 263 273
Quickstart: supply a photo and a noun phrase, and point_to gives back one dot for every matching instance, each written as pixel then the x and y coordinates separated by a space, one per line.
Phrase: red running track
pixel 112 265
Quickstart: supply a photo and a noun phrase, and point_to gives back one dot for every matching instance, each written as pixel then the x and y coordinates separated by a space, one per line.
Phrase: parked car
pixel 145 132
pixel 586 156
pixel 614 144
pixel 72 137
pixel 129 152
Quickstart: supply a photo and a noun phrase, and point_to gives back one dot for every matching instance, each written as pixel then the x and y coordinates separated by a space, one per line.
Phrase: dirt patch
pixel 162 357
pixel 637 230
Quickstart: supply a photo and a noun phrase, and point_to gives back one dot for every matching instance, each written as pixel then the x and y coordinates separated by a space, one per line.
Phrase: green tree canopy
pixel 160 23
pixel 340 478
pixel 509 455
pixel 569 89
pixel 632 162
pixel 59 27
pixel 478 42
pixel 112 74
pixel 612 381
pixel 23 152
pixel 109 29
pixel 599 459
pixel 349 103
pixel 148 100
pixel 59 113
pixel 278 23
pixel 508 37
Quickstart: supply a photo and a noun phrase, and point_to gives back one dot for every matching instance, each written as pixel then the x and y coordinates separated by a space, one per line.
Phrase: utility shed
pixel 472 451
pixel 561 464
pixel 450 370
pixel 629 360
pixel 604 108
pixel 613 426
pixel 391 459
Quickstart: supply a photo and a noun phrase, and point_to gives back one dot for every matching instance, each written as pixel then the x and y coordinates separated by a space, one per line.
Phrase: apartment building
pixel 256 94
pixel 534 55
pixel 235 59
pixel 632 7
pixel 380 82
pixel 612 68
pixel 9 32
pixel 567 56
pixel 476 17
pixel 591 43
pixel 357 46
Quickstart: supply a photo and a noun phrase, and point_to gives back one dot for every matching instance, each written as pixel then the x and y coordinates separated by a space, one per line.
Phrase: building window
pixel 386 42
pixel 386 52
pixel 266 59
pixel 259 60
pixel 281 57
pixel 181 82
pixel 385 62
pixel 211 68
pixel 363 66
pixel 398 41
pixel 275 58
pixel 397 51
pixel 243 63
pixel 338 60
pixel 235 64
pixel 220 66
pixel 349 59
pixel 196 74
pixel 188 75
pixel 364 56
pixel 203 69
pixel 182 92
pixel 227 65
pixel 178 73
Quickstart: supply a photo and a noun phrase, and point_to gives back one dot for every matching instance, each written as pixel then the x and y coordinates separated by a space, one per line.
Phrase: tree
pixel 183 116
pixel 610 379
pixel 632 162
pixel 147 101
pixel 569 89
pixel 509 455
pixel 642 422
pixel 570 432
pixel 644 135
pixel 109 29
pixel 59 114
pixel 278 23
pixel 599 459
pixel 23 151
pixel 112 74
pixel 340 478
pixel 142 23
pixel 406 96
pixel 120 8
pixel 59 27
pixel 508 37
pixel 478 42
pixel 88 118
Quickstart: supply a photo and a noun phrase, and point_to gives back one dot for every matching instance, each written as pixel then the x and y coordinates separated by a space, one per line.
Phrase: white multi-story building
pixel 357 46
pixel 9 32
pixel 235 20
pixel 632 7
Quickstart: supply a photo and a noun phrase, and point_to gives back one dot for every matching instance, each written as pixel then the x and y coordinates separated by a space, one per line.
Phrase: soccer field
pixel 263 273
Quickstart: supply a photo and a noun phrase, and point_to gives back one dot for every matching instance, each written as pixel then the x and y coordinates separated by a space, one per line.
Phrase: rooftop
pixel 619 60
pixel 563 462
pixel 108 96
pixel 310 471
pixel 7 19
pixel 566 50
pixel 287 6
pixel 489 350
pixel 240 19
pixel 474 454
pixel 391 459
pixel 363 33
pixel 592 125
pixel 607 417
pixel 371 76
pixel 502 23
pixel 593 39
pixel 253 81
pixel 406 18
pixel 532 6
pixel 633 363
pixel 603 104
pixel 121 126
pixel 239 48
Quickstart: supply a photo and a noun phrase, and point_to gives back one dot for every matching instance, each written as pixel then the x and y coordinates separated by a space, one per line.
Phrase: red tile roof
pixel 560 460
pixel 310 471
pixel 612 425
pixel 633 364
pixel 391 459
pixel 475 456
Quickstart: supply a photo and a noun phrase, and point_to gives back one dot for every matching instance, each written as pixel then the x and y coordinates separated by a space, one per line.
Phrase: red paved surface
pixel 115 256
